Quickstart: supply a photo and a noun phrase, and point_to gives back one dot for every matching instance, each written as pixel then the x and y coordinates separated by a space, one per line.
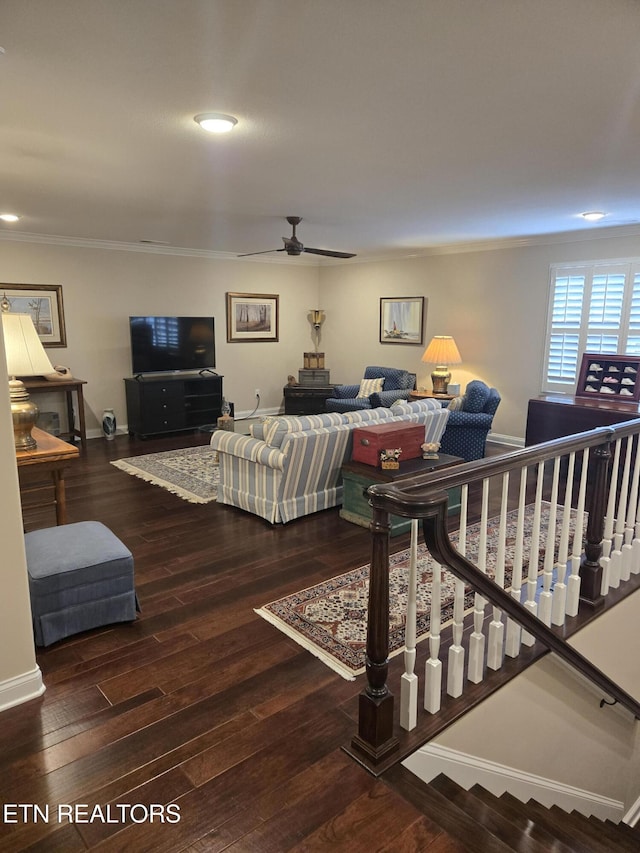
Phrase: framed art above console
pixel 609 377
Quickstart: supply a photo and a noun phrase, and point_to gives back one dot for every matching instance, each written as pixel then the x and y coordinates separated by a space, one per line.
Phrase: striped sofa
pixel 291 466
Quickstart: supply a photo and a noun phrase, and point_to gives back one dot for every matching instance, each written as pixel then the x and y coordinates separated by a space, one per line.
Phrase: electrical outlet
pixel 257 392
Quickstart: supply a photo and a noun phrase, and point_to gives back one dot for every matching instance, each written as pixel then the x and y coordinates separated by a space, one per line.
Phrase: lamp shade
pixel 24 350
pixel 442 349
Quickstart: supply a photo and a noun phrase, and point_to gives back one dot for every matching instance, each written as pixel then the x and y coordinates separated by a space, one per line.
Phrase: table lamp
pixel 442 351
pixel 25 357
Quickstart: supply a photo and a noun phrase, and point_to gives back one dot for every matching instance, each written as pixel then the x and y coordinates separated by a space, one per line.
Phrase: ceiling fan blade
pixel 266 252
pixel 329 253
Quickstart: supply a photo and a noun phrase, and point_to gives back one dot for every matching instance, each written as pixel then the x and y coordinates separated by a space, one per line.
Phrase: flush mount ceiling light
pixel 593 215
pixel 216 122
pixel 9 217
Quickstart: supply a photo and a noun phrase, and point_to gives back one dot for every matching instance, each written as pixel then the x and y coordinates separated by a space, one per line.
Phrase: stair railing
pixel 604 552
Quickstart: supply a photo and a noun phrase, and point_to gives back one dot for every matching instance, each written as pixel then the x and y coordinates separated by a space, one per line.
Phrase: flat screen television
pixel 167 344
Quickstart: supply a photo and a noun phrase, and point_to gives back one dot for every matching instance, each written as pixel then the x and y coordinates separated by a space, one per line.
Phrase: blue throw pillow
pixel 476 396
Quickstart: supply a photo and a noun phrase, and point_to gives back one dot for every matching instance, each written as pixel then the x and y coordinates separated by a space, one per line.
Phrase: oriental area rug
pixel 191 473
pixel 330 618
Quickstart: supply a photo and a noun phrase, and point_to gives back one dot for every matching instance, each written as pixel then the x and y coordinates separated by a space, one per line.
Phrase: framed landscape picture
pixel 609 377
pixel 402 320
pixel 44 303
pixel 252 317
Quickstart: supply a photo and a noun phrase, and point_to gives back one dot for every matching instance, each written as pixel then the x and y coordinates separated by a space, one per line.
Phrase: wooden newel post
pixel 590 568
pixel 375 720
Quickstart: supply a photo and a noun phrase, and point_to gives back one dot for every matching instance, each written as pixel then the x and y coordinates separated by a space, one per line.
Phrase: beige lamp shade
pixel 25 357
pixel 23 347
pixel 442 351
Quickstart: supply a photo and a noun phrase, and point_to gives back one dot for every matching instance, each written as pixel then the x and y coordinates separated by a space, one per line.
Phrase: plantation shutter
pixel 592 308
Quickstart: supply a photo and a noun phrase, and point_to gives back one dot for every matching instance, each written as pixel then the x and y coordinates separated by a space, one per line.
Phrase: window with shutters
pixel 592 308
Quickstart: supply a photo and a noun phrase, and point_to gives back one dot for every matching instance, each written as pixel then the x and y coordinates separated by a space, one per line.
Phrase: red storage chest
pixel 369 441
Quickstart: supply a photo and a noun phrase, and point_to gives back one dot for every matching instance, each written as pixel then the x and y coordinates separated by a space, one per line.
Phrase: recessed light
pixel 593 215
pixel 216 122
pixel 9 217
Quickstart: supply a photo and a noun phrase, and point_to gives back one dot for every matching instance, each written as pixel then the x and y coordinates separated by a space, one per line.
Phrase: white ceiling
pixel 391 126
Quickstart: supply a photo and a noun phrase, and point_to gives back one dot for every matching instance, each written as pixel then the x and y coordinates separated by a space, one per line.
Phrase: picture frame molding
pixel 416 334
pixel 53 292
pixel 236 335
pixel 612 367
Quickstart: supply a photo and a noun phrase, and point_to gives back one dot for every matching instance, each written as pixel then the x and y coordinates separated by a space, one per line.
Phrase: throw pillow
pixel 457 404
pixel 370 386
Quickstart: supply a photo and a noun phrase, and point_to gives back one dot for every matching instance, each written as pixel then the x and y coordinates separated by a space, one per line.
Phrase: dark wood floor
pixel 200 701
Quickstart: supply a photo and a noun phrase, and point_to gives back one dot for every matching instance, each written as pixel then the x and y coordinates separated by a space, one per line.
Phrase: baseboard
pixel 467 770
pixel 508 440
pixel 22 688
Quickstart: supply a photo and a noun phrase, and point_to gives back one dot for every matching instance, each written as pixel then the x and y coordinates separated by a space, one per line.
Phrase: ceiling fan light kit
pixel 293 246
pixel 216 122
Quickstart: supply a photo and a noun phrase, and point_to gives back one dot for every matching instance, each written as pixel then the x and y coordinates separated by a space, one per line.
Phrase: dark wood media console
pixel 552 416
pixel 171 404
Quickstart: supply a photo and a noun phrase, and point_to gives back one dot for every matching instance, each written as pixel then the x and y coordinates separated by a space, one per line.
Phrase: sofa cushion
pixel 406 407
pixel 476 396
pixel 365 415
pixel 370 386
pixel 275 429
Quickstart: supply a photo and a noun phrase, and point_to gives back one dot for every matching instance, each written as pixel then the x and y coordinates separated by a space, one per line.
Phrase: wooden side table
pixel 306 399
pixel 428 395
pixel 356 477
pixel 44 466
pixel 69 386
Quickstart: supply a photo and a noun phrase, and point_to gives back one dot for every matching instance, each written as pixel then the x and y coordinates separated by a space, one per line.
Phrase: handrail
pixel 424 497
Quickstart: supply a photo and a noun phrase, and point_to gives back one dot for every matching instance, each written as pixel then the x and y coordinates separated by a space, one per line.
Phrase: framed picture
pixel 402 320
pixel 609 377
pixel 252 317
pixel 44 303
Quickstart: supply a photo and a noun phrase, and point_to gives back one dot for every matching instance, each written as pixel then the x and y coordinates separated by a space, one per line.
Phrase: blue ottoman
pixel 80 577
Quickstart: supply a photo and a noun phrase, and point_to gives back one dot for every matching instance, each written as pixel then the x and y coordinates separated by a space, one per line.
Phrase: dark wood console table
pixel 69 386
pixel 552 416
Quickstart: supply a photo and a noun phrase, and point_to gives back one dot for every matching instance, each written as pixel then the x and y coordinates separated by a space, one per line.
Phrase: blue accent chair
pixel 467 428
pixel 397 385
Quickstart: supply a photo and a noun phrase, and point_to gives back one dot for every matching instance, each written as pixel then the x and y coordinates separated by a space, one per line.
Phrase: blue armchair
pixel 468 426
pixel 397 385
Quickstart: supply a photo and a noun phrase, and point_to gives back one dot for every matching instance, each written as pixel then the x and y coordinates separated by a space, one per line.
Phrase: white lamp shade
pixel 23 347
pixel 442 350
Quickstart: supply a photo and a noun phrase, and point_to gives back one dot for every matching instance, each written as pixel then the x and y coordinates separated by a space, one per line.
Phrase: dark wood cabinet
pixel 552 416
pixel 171 404
pixel 306 399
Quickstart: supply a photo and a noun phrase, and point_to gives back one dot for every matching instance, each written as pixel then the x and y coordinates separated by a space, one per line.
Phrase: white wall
pixel 101 288
pixel 493 302
pixel 20 677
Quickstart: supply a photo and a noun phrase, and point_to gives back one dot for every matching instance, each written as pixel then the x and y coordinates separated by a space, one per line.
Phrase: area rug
pixel 191 473
pixel 330 618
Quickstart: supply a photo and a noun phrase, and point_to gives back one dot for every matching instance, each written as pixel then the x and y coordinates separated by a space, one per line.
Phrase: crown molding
pixel 452 248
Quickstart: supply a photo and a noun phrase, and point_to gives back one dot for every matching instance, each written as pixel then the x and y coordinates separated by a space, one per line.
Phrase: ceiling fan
pixel 293 246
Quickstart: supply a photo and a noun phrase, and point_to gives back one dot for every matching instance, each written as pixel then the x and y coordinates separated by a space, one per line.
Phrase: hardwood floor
pixel 200 701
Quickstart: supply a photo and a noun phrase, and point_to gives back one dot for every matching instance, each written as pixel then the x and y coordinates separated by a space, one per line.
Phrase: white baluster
pixel 475 672
pixel 573 585
pixel 409 680
pixel 618 537
pixel 609 519
pixel 496 627
pixel 544 604
pixel 433 667
pixel 534 555
pixel 455 665
pixel 558 609
pixel 514 631
pixel 627 548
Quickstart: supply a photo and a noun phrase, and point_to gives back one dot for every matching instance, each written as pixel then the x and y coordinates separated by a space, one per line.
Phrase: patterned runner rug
pixel 192 473
pixel 330 618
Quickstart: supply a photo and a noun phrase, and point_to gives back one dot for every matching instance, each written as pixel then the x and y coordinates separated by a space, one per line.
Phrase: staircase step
pixel 607 829
pixel 631 832
pixel 454 821
pixel 580 827
pixel 556 828
pixel 486 816
pixel 516 812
